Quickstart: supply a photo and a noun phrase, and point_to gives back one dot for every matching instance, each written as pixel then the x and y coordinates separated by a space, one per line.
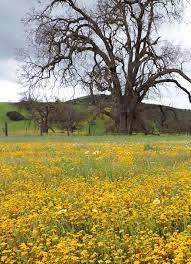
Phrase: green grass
pixel 147 140
pixel 12 125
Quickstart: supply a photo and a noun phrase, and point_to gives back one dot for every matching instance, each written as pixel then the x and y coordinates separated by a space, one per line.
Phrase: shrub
pixel 15 116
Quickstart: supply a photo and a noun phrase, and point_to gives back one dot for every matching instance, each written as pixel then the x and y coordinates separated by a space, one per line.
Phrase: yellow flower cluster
pixel 95 203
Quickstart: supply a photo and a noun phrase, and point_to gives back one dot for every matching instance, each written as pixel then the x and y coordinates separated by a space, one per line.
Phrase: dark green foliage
pixel 15 116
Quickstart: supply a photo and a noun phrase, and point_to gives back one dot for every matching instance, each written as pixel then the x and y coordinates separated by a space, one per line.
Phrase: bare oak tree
pixel 39 112
pixel 112 46
pixel 66 118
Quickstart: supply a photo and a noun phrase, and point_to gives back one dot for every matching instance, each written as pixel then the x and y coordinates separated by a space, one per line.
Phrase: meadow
pixel 95 199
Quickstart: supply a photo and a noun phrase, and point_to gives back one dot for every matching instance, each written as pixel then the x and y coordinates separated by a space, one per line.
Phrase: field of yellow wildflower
pixel 95 203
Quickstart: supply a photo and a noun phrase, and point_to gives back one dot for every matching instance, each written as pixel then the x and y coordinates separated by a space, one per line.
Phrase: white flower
pixel 96 152
pixel 62 211
pixel 156 201
pixel 94 210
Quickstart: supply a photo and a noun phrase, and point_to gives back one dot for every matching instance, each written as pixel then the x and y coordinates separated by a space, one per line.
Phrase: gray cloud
pixel 11 34
pixel 11 28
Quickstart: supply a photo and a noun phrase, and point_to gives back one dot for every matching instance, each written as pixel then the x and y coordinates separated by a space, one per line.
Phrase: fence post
pixel 89 128
pixel 6 129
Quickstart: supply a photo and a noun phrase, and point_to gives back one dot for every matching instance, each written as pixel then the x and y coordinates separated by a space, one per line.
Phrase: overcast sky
pixel 12 37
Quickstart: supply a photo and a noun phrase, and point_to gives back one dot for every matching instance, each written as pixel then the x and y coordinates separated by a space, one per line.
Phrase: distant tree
pixel 113 46
pixel 39 113
pixel 66 117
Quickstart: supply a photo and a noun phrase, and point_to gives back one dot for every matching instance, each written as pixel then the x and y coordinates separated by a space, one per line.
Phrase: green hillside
pixel 156 118
pixel 20 126
pixel 13 126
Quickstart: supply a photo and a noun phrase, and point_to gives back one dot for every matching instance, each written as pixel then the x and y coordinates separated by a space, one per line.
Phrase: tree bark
pixel 44 128
pixel 126 113
pixel 93 101
pixel 126 122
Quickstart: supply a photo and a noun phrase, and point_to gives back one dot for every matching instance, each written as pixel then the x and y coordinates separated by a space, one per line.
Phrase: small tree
pixel 66 118
pixel 39 113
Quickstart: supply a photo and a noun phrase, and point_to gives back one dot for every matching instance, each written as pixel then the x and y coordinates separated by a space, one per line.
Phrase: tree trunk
pixel 126 112
pixel 130 123
pixel 93 101
pixel 45 128
pixel 142 124
pixel 122 122
pixel 126 122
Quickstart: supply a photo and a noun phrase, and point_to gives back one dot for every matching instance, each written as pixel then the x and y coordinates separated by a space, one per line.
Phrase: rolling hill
pixel 13 126
pixel 156 118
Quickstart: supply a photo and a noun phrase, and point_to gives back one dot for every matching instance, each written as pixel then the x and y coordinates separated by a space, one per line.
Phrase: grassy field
pixel 13 127
pixel 114 199
pixel 118 139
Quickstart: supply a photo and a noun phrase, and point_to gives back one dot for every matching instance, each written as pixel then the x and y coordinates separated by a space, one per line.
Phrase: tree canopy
pixel 110 46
